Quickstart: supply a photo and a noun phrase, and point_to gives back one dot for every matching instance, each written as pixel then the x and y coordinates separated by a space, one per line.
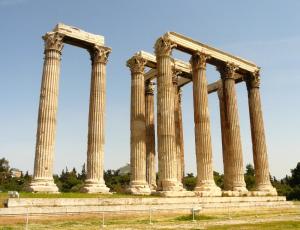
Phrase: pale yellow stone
pixel 46 131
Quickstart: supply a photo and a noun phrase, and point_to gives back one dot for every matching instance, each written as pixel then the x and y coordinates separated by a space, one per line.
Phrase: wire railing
pixel 151 211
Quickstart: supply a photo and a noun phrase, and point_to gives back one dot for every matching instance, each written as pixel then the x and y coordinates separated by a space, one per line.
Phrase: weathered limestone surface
pixel 96 132
pixel 180 128
pixel 191 46
pixel 180 66
pixel 226 161
pixel 75 36
pixel 150 136
pixel 233 70
pixel 260 157
pixel 68 202
pixel 45 137
pixel 138 183
pixel 165 119
pixel 45 140
pixel 234 146
pixel 205 180
pixel 177 127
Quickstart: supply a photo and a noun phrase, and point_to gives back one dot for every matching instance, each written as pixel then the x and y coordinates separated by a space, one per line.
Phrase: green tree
pixel 250 177
pixel 294 183
pixel 4 170
pixel 115 181
pixel 82 175
pixel 69 181
pixel 295 178
pixel 219 179
pixel 189 181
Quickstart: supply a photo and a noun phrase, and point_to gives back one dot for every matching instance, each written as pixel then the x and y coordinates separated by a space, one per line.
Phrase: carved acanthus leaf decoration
pixel 149 87
pixel 198 60
pixel 254 79
pixel 176 73
pixel 228 71
pixel 164 46
pixel 53 41
pixel 100 54
pixel 136 64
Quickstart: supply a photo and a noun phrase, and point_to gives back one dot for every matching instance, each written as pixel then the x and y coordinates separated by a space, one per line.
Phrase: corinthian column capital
pixel 53 41
pixel 164 46
pixel 253 81
pixel 227 71
pixel 99 54
pixel 198 60
pixel 175 76
pixel 136 64
pixel 149 87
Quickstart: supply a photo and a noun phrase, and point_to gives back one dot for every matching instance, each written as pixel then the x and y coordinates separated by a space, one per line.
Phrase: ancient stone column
pixel 226 161
pixel 260 156
pixel 45 137
pixel 150 135
pixel 165 118
pixel 205 179
pixel 96 134
pixel 234 147
pixel 177 125
pixel 180 128
pixel 138 183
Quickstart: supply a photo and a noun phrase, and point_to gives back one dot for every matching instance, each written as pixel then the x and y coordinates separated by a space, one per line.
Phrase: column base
pixel 43 186
pixel 239 188
pixel 208 188
pixel 139 188
pixel 265 190
pixel 95 187
pixel 230 193
pixel 171 185
pixel 172 188
pixel 153 187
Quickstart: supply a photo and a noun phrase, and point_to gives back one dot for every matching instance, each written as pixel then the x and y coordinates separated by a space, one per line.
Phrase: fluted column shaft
pixel 96 124
pixel 46 130
pixel 177 126
pixel 226 161
pixel 138 183
pixel 180 128
pixel 235 155
pixel 205 179
pixel 165 117
pixel 260 157
pixel 150 136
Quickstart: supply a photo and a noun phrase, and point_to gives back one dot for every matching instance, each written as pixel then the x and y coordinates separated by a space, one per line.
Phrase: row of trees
pixel 72 181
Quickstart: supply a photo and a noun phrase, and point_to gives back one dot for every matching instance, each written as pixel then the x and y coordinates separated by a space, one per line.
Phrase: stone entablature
pixel 75 36
pixel 191 46
pixel 185 76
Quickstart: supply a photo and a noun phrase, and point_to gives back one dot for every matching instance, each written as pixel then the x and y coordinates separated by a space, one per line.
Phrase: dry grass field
pixel 254 219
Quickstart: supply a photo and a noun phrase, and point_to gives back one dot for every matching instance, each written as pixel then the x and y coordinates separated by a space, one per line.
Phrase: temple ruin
pixel 45 137
pixel 171 75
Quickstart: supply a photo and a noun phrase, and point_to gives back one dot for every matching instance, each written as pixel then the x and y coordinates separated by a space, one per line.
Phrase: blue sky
pixel 264 31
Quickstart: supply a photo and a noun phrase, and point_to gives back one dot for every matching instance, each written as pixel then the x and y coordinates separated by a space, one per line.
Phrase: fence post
pixel 26 227
pixel 193 210
pixel 103 224
pixel 150 216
